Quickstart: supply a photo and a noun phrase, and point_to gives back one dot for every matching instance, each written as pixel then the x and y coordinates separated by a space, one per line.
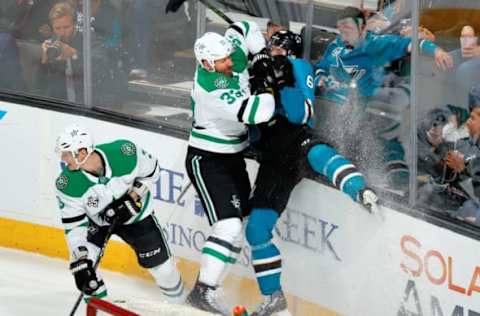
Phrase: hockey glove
pixel 83 272
pixel 122 209
pixel 140 189
pixel 282 72
pixel 173 5
pixel 261 74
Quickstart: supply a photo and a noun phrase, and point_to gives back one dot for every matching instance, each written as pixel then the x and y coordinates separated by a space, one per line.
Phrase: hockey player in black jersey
pixel 289 150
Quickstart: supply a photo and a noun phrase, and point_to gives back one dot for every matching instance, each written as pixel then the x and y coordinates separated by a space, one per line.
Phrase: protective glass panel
pixel 148 62
pixel 363 98
pixel 448 128
pixel 41 49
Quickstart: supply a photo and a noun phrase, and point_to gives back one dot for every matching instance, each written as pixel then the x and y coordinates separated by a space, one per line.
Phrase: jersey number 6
pixel 309 82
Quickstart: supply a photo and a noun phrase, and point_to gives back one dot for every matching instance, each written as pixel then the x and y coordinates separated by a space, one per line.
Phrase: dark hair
pixel 474 98
pixel 352 12
pixel 289 41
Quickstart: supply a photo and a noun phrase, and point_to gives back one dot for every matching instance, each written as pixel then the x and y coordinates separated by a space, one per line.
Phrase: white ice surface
pixel 32 284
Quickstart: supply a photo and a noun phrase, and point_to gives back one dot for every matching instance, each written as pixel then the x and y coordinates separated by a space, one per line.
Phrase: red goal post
pixel 96 304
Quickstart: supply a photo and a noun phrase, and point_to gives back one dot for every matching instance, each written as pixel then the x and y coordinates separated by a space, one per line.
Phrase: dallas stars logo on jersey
pixel 62 182
pixel 221 82
pixel 128 149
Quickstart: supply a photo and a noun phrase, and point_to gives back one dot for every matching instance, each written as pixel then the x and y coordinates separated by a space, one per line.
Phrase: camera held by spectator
pixel 54 48
pixel 61 46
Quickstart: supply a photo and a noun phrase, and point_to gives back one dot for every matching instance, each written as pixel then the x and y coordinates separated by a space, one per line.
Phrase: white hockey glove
pixel 83 272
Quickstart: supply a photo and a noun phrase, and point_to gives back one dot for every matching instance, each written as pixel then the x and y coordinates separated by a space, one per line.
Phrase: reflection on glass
pixel 363 97
pixel 150 63
pixel 448 127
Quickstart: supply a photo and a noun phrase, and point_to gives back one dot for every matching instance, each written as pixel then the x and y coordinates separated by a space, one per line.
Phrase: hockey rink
pixel 32 284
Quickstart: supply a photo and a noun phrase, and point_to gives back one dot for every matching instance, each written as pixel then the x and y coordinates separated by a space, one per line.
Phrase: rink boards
pixel 338 259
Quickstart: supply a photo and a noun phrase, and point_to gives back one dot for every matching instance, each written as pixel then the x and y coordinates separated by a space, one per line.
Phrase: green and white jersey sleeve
pixel 247 39
pixel 222 105
pixel 221 108
pixel 82 196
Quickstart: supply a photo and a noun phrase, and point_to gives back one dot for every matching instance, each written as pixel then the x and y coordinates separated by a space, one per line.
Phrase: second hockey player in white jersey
pixel 222 105
pixel 105 184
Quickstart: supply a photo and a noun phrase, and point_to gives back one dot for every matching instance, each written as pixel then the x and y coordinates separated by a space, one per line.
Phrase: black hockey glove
pixel 84 274
pixel 261 73
pixel 173 5
pixel 282 72
pixel 122 209
pixel 261 64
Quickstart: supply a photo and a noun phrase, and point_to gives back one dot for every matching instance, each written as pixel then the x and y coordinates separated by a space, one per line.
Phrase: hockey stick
pixel 97 262
pixel 174 5
pixel 177 202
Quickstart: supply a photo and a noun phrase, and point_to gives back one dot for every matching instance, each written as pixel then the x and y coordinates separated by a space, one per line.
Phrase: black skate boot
pixel 205 298
pixel 272 304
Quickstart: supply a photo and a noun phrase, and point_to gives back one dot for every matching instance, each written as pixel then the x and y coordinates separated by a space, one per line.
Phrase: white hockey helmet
pixel 211 47
pixel 72 139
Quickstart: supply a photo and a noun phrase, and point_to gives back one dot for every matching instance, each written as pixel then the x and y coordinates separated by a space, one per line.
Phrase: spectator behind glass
pixel 452 168
pixel 63 59
pixel 106 24
pixel 10 69
pixel 467 60
pixel 467 163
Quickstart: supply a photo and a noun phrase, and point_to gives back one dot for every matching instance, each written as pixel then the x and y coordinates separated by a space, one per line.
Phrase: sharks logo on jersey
pixel 342 72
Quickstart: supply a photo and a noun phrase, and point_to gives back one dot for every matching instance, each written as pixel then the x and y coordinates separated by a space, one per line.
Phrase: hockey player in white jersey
pixel 104 184
pixel 222 105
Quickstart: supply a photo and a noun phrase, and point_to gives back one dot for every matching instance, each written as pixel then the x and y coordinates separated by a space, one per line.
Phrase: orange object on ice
pixel 240 311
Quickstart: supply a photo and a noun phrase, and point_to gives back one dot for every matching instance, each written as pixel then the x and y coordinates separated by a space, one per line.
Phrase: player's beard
pixel 229 72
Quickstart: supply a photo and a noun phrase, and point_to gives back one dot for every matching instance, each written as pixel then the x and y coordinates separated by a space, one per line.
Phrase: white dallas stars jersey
pixel 222 105
pixel 82 196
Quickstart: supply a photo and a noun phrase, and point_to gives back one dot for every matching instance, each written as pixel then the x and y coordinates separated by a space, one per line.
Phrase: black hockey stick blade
pixel 173 5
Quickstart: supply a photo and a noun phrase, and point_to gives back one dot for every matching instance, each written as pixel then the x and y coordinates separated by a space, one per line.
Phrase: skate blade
pixel 283 313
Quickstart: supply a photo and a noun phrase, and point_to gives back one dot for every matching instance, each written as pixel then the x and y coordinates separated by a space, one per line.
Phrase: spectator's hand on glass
pixel 471 51
pixel 443 60
pixel 455 160
pixel 423 33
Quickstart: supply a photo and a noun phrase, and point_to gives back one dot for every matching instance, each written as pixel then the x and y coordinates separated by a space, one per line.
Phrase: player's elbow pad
pixel 250 31
pixel 257 109
pixel 255 40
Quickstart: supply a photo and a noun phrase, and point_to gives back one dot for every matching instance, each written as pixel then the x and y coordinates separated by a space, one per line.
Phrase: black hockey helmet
pixel 289 41
pixel 474 98
pixel 352 12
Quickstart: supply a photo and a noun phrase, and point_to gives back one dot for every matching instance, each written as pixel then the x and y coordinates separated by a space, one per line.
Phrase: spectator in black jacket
pixel 62 56
pixel 11 11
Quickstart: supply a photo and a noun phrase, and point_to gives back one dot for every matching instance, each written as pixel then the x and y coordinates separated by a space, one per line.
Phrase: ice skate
pixel 272 304
pixel 205 297
pixel 368 198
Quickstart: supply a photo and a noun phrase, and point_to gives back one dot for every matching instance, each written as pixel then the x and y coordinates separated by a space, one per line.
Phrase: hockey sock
pixel 169 280
pixel 266 258
pixel 238 243
pixel 395 166
pixel 341 172
pixel 219 251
